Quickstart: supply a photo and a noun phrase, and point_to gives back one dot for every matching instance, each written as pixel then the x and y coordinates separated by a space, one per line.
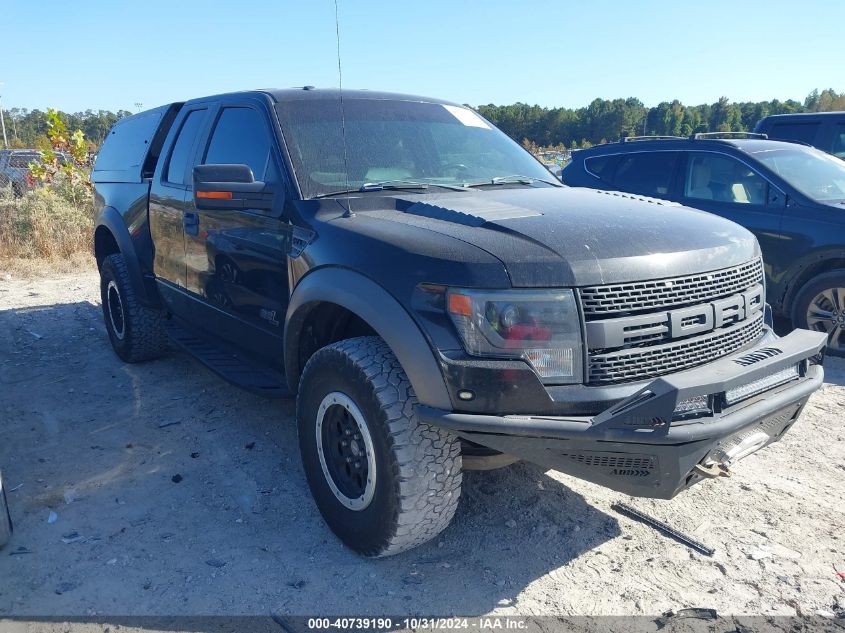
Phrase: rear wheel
pixel 136 332
pixel 820 306
pixel 383 481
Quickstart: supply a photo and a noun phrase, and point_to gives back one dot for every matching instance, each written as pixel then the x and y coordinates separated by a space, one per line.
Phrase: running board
pixel 227 364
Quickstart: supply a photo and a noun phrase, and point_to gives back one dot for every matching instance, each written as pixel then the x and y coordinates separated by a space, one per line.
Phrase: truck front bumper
pixel 674 432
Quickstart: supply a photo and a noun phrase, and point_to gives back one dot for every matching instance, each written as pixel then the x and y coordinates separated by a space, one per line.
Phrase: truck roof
pixel 280 95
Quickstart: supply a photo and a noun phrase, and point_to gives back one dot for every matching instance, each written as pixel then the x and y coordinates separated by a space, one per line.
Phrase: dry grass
pixel 40 268
pixel 49 229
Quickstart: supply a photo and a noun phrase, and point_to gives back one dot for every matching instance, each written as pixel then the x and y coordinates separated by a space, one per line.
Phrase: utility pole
pixel 139 105
pixel 3 123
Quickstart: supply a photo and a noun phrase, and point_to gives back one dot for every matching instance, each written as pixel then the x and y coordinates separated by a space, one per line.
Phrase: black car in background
pixel 791 196
pixel 825 130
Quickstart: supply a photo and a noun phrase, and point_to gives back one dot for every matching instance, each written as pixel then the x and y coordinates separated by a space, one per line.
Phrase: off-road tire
pixel 418 467
pixel 5 517
pixel 808 292
pixel 143 337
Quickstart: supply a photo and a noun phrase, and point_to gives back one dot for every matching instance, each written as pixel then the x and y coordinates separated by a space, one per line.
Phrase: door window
pixel 649 174
pixel 722 179
pixel 241 137
pixel 182 152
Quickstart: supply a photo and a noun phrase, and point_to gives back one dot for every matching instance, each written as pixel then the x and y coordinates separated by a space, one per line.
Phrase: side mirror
pixel 219 187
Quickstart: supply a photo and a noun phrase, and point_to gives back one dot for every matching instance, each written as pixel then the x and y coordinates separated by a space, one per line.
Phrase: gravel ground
pixel 159 489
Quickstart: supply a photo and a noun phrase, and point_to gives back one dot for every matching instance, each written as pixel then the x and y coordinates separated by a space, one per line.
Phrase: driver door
pixel 236 259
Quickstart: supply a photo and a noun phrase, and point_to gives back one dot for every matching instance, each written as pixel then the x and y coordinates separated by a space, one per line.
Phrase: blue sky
pixel 112 54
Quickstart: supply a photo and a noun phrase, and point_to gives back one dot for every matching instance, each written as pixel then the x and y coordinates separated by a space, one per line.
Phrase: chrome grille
pixel 640 363
pixel 671 292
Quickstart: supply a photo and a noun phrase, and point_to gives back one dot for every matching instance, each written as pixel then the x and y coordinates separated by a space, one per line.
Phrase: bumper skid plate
pixel 648 446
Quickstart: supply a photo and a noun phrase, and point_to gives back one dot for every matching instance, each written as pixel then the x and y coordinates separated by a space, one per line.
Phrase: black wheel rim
pixel 114 305
pixel 346 451
pixel 826 313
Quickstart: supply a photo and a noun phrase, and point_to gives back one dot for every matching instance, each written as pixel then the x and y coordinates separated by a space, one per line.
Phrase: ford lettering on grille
pixel 672 324
pixel 642 330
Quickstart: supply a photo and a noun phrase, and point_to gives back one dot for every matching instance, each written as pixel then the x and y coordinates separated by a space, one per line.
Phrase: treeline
pixel 601 121
pixel 609 120
pixel 28 128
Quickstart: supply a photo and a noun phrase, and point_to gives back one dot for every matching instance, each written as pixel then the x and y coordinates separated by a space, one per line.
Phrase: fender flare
pixel 110 219
pixel 795 276
pixel 382 312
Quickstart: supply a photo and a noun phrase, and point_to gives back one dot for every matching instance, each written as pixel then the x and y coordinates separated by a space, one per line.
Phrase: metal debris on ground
pixel 71 537
pixel 660 526
pixel 696 613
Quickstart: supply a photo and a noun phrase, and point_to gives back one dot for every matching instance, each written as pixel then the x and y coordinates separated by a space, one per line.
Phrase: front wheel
pixel 820 306
pixel 383 481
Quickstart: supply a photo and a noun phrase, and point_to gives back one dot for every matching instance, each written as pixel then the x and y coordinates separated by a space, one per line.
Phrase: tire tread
pixel 426 460
pixel 148 339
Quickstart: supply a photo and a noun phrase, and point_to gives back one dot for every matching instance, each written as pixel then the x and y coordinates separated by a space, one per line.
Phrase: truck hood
pixel 549 237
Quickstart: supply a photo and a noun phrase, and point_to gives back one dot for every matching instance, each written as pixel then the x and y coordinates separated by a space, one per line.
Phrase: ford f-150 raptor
pixel 433 297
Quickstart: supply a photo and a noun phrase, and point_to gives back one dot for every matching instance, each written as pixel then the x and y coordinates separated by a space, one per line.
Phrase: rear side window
pixel 649 174
pixel 804 132
pixel 241 137
pixel 128 142
pixel 22 161
pixel 183 148
pixel 601 166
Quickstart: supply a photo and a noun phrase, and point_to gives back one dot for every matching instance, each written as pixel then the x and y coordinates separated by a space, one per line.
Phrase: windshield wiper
pixel 408 184
pixel 514 179
pixel 392 185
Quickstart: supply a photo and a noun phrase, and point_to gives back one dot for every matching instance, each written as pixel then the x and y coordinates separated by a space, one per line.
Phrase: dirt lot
pixel 100 447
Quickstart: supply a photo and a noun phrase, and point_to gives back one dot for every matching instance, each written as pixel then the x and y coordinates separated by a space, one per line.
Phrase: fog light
pixel 743 392
pixel 692 406
pixel 466 394
pixel 552 362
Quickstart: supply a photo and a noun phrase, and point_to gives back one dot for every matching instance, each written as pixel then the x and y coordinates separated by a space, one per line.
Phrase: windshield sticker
pixel 467 117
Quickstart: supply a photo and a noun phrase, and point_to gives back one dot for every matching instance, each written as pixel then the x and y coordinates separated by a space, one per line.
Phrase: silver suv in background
pixel 14 169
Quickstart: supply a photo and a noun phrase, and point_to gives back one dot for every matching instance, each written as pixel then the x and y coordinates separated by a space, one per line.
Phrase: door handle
pixel 191 222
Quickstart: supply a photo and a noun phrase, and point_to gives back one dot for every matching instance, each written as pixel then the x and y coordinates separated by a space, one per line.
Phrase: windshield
pixel 817 175
pixel 396 141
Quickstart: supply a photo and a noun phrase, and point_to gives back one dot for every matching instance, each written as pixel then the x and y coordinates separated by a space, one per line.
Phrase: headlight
pixel 538 326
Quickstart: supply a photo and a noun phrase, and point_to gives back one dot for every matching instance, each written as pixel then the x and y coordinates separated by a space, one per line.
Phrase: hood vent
pixel 469 211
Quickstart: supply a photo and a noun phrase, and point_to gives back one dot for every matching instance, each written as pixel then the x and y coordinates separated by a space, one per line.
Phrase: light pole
pixel 139 105
pixel 3 123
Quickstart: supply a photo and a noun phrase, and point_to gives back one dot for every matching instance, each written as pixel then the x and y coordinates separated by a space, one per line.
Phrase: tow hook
pixel 712 470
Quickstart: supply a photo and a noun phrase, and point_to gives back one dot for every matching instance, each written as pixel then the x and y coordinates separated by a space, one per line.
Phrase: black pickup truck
pixel 437 301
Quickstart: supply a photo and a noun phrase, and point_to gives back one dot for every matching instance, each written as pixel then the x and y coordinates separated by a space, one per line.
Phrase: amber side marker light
pixel 217 195
pixel 460 305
